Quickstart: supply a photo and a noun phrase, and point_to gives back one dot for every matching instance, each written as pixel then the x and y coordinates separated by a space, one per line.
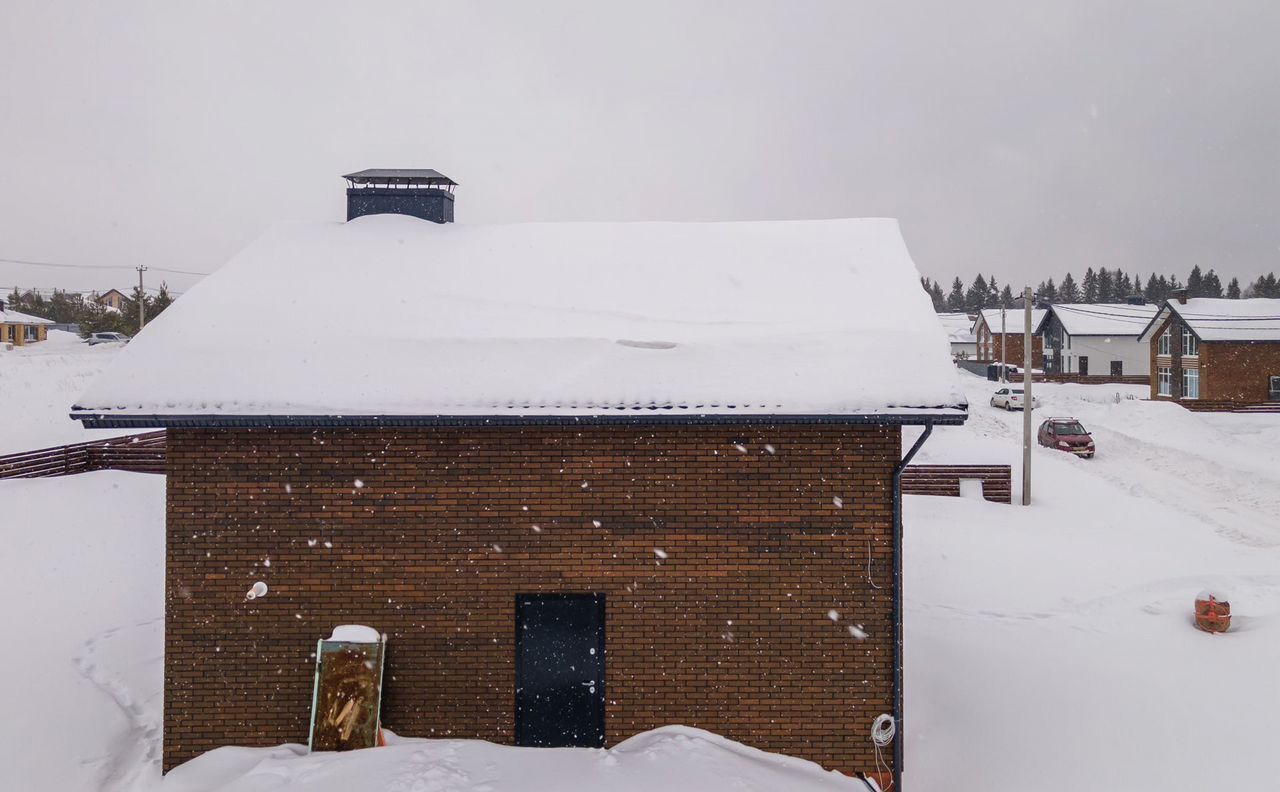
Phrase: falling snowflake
pixel 259 589
pixel 266 562
pixel 597 523
pixel 770 449
pixel 659 552
pixel 359 484
pixel 740 447
pixel 537 529
pixel 328 544
pixel 497 548
pixel 311 543
pixel 585 485
pixel 833 615
pixel 857 632
pixel 288 489
pixel 838 501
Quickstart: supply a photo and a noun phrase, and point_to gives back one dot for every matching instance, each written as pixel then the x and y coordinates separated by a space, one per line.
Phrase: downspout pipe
pixel 899 739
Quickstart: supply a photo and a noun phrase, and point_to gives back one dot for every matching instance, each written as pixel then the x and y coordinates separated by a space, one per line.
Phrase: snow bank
pixel 672 759
pixel 355 633
pixel 390 315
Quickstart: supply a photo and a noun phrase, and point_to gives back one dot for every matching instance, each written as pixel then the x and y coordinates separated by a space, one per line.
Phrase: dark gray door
pixel 1117 368
pixel 1084 365
pixel 560 670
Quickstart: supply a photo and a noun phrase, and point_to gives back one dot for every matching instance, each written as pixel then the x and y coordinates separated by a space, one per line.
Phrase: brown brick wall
pixel 989 346
pixel 1237 373
pixel 434 546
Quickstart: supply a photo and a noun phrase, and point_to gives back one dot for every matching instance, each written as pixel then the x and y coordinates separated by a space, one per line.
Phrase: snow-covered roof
pixel 1216 319
pixel 393 317
pixel 9 316
pixel 1102 319
pixel 1014 319
pixel 959 327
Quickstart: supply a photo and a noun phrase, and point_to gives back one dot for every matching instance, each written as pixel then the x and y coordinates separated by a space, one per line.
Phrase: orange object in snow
pixel 1213 612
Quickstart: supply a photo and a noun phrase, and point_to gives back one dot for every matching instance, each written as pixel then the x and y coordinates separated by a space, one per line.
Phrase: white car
pixel 108 338
pixel 1011 399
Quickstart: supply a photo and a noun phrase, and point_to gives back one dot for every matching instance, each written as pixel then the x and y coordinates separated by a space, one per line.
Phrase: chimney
pixel 426 194
pixel 1180 295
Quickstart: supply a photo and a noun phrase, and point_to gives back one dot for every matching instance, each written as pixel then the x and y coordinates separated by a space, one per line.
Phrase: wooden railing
pixel 142 453
pixel 997 480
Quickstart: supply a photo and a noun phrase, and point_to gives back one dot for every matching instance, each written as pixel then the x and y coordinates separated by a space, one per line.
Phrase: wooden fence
pixel 145 453
pixel 997 480
pixel 142 453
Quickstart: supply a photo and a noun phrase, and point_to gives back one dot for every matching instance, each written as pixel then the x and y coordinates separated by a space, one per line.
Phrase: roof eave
pixel 945 415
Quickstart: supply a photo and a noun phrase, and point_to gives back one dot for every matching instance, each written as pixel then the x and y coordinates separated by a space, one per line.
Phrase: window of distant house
pixel 1190 344
pixel 1191 383
pixel 29 333
pixel 1165 381
pixel 1165 343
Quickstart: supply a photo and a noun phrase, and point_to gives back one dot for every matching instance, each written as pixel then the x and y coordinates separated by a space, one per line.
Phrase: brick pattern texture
pixel 428 535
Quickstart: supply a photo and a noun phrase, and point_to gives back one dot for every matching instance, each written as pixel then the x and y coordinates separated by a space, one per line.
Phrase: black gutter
pixel 107 420
pixel 899 740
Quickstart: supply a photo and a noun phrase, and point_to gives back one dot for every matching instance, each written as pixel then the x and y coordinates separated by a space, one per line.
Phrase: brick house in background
pixel 987 332
pixel 21 329
pixel 667 450
pixel 1209 353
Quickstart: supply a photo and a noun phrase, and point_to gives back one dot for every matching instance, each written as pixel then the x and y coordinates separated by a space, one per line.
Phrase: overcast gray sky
pixel 1016 138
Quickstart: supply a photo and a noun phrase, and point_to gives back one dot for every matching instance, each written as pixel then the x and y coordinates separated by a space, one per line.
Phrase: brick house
pixel 1209 353
pixel 667 450
pixel 987 332
pixel 20 329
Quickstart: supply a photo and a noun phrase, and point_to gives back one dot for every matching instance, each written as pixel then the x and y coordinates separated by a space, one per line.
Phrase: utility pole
pixel 1004 377
pixel 142 300
pixel 1027 400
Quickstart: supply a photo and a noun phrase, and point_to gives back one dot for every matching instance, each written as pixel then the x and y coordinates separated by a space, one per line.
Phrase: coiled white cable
pixel 882 730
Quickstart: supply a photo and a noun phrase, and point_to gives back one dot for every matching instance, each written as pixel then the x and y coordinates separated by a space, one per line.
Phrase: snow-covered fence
pixel 141 453
pixel 997 480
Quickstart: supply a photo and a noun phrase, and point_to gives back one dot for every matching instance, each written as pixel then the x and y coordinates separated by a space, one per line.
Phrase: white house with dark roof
pixel 1096 340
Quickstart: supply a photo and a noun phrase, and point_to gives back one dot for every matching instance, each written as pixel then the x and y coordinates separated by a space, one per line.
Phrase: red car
pixel 1066 434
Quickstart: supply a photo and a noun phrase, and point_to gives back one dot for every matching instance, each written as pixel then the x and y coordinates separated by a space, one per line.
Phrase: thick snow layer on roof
pixel 1214 319
pixel 1014 319
pixel 1103 319
pixel 394 316
pixel 959 327
pixel 8 316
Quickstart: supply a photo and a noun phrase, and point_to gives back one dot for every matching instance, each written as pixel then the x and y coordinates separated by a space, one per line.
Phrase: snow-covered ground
pixel 1048 648
pixel 38 384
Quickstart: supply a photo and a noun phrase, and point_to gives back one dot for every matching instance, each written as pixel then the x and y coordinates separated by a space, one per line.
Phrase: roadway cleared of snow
pixel 1048 648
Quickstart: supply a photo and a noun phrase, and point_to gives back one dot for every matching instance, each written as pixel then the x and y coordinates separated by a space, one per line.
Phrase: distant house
pixel 591 479
pixel 987 333
pixel 1096 340
pixel 20 329
pixel 959 327
pixel 113 299
pixel 1211 353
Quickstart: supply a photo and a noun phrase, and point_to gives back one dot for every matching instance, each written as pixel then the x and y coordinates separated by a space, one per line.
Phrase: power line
pixel 94 266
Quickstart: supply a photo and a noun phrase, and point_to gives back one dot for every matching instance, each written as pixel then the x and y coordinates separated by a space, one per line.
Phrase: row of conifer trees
pixel 1097 286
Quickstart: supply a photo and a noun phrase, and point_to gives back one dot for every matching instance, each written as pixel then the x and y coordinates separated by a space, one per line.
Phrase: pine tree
pixel 1106 286
pixel 1212 285
pixel 161 301
pixel 1124 287
pixel 939 299
pixel 1068 292
pixel 1090 290
pixel 1271 288
pixel 955 300
pixel 1195 283
pixel 975 299
pixel 1048 291
pixel 1233 289
pixel 1006 297
pixel 993 292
